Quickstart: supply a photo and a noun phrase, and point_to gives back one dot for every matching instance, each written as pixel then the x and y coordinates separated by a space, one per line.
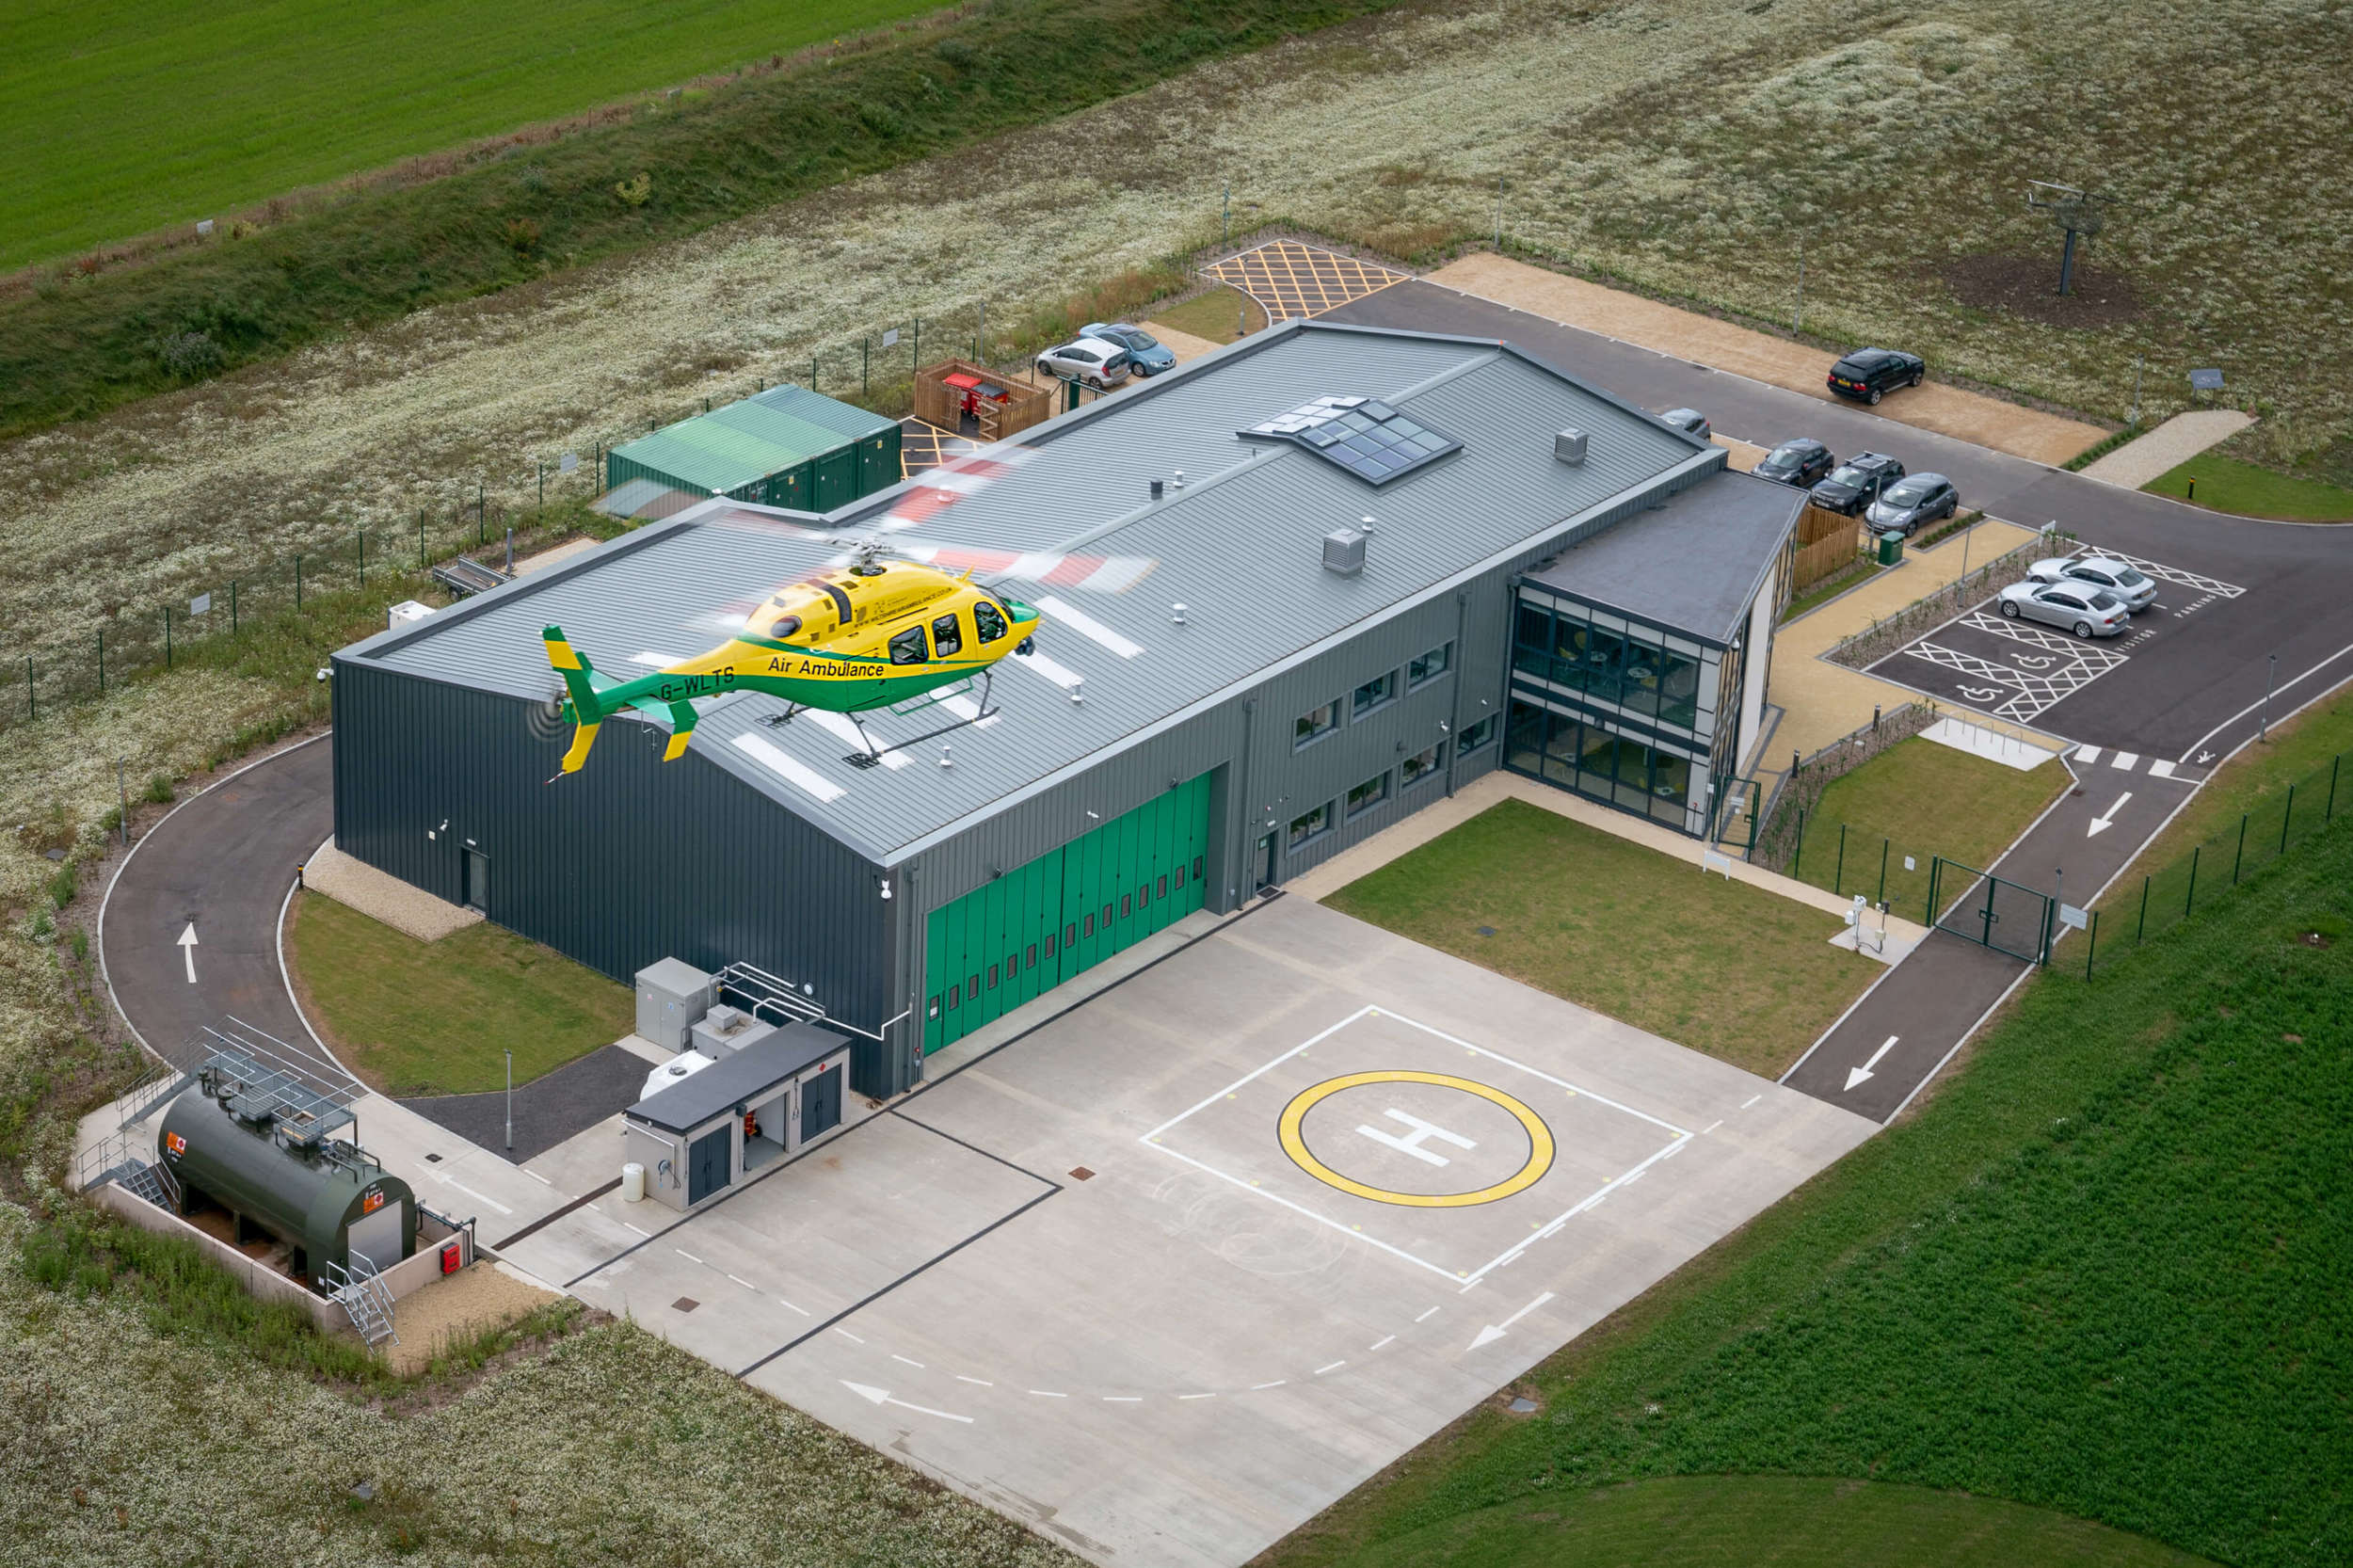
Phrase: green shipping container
pixel 1042 923
pixel 787 447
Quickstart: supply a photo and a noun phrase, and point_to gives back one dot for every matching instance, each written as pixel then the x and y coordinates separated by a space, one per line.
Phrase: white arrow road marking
pixel 188 950
pixel 2102 824
pixel 1494 1332
pixel 1856 1075
pixel 882 1396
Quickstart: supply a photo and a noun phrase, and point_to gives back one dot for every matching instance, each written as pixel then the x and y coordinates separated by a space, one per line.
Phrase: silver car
pixel 2086 611
pixel 1691 422
pixel 1097 362
pixel 2137 588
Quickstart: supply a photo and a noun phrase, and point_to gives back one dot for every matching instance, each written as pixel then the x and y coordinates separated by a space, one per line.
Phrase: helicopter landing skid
pixel 873 755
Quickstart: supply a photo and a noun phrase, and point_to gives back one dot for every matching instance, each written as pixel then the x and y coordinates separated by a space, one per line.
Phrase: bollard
pixel 1883 898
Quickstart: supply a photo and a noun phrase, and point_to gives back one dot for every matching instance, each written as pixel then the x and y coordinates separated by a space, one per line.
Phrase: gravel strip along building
pixel 1291 593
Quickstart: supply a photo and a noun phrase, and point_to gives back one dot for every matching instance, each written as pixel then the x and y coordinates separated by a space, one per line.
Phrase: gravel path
pixel 2169 446
pixel 410 910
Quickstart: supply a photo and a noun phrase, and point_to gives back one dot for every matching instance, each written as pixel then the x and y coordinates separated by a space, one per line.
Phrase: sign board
pixel 1711 861
pixel 2070 916
pixel 2205 381
pixel 203 225
pixel 890 338
pixel 570 461
pixel 201 603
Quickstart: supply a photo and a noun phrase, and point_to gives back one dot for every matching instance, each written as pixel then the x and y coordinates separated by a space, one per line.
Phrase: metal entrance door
pixel 821 1102
pixel 708 1161
pixel 1268 861
pixel 1991 911
pixel 477 881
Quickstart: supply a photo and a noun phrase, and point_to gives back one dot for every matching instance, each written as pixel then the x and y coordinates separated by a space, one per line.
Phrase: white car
pixel 1092 362
pixel 2137 588
pixel 2086 611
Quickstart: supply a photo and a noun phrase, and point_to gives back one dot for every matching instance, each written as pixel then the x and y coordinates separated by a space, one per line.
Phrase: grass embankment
pixel 1865 569
pixel 415 1017
pixel 1918 799
pixel 2102 1270
pixel 132 115
pixel 2227 484
pixel 2260 775
pixel 1720 967
pixel 83 343
pixel 1216 315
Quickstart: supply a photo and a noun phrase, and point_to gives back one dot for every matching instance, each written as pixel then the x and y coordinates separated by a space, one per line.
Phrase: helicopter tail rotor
pixel 587 710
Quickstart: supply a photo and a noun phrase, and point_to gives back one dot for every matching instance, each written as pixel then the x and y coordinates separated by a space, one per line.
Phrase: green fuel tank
pixel 325 1199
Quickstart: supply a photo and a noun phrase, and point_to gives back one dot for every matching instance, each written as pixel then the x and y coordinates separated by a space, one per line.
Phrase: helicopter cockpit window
pixel 907 646
pixel 987 621
pixel 946 639
pixel 785 626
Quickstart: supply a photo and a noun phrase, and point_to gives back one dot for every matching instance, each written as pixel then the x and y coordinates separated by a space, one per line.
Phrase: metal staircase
pixel 362 1294
pixel 151 1182
pixel 158 1089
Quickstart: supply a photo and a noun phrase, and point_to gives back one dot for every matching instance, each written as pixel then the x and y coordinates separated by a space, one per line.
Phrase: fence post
pixel 2189 900
pixel 1838 873
pixel 167 636
pixel 2285 817
pixel 1796 860
pixel 2330 810
pixel 32 698
pixel 2241 855
pixel 297 580
pixel 2093 943
pixel 481 519
pixel 102 661
pixel 232 606
pixel 1883 898
pixel 1936 874
pixel 915 348
pixel 363 557
pixel 2142 930
pixel 420 538
pixel 812 373
pixel 542 465
pixel 865 364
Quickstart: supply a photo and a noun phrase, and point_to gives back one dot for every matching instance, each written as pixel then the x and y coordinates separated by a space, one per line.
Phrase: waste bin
pixel 1891 548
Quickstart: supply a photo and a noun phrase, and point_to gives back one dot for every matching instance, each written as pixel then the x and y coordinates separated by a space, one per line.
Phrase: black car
pixel 1909 501
pixel 1869 373
pixel 1856 483
pixel 1803 462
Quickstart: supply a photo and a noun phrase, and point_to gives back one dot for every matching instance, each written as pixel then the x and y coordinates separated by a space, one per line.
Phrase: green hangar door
pixel 1070 908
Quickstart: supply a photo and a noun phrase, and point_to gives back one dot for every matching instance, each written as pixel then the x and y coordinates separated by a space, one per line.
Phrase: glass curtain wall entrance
pixel 1640 716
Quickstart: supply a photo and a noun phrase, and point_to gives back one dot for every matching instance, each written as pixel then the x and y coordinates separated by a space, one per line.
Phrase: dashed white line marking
pixel 1711 1127
pixel 847 1335
pixel 1123 1399
pixel 1331 1367
pixel 1196 1396
pixel 1378 1343
pixel 477 1197
pixel 536 1177
pixel 2086 754
pixel 1425 1316
pixel 982 1381
pixel 741 1281
pixel 1750 1100
pixel 639 1229
pixel 909 1360
pixel 1276 1383
pixel 802 1310
pixel 2124 759
pixel 1048 1394
pixel 2160 769
pixel 684 1254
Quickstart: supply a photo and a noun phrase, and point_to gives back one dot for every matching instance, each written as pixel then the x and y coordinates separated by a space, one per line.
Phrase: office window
pixel 1430 665
pixel 1421 765
pixel 1372 693
pixel 1476 735
pixel 1310 824
pixel 1371 792
pixel 1315 726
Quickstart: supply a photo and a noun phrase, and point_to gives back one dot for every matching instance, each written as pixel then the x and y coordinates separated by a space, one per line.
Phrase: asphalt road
pixel 221 861
pixel 2188 684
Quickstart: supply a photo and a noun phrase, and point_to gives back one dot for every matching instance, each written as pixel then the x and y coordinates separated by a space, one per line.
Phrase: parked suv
pixel 1146 352
pixel 1856 483
pixel 2121 578
pixel 1868 373
pixel 1097 362
pixel 1803 461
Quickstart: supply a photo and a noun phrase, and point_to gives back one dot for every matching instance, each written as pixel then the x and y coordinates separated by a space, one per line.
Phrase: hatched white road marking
pixel 2160 769
pixel 2124 759
pixel 2086 754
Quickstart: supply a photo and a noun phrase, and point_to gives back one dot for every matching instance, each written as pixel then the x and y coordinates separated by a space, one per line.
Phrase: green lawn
pixel 1720 967
pixel 2102 1270
pixel 127 114
pixel 1868 567
pixel 1918 799
pixel 1213 315
pixel 2227 484
pixel 2258 776
pixel 1769 1522
pixel 415 1017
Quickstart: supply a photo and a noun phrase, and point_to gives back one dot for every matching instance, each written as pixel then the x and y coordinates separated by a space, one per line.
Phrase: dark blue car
pixel 1148 354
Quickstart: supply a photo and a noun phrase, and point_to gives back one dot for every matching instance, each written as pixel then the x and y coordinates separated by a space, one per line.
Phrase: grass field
pixel 1717 966
pixel 1216 315
pixel 128 115
pixel 2102 1270
pixel 1769 1521
pixel 415 1017
pixel 1918 799
pixel 2227 484
pixel 2260 774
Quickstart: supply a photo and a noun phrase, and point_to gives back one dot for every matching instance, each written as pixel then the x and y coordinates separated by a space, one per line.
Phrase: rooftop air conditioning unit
pixel 408 612
pixel 1344 552
pixel 1569 446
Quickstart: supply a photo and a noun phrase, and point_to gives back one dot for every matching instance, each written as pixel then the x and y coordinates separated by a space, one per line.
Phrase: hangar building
pixel 1291 593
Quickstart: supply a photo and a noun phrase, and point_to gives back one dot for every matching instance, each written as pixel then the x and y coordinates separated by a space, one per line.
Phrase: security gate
pixel 1991 911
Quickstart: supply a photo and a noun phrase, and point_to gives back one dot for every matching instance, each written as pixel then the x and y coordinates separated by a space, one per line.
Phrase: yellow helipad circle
pixel 1540 1145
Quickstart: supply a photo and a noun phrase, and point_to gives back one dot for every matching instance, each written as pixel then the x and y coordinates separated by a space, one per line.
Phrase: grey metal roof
pixel 1240 545
pixel 1693 562
pixel 739 1076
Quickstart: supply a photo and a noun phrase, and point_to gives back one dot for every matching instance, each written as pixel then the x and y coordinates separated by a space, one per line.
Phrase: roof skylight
pixel 1362 435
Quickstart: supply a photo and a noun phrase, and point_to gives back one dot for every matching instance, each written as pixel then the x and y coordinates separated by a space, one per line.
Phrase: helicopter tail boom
pixel 589 710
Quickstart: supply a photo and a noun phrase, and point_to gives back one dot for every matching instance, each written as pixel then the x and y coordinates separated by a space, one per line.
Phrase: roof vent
pixel 1569 446
pixel 1344 552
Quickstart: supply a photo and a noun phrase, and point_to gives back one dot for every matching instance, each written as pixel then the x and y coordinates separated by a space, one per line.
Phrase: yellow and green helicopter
pixel 879 633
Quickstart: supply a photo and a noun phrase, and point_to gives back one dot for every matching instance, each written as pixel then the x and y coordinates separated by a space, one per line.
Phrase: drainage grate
pixel 684 1303
pixel 1079 1173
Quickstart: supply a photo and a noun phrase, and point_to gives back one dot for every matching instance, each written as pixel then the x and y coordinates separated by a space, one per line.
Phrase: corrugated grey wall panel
pixel 624 863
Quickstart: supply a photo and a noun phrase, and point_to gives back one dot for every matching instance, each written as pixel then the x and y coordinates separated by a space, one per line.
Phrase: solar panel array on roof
pixel 1362 435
